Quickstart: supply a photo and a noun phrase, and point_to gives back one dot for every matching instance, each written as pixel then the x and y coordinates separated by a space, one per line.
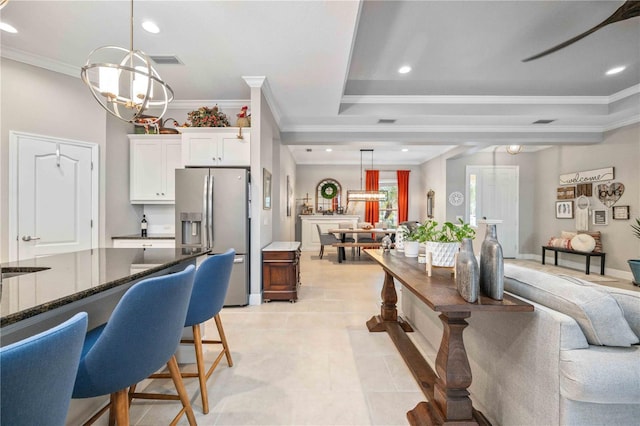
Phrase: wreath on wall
pixel 329 191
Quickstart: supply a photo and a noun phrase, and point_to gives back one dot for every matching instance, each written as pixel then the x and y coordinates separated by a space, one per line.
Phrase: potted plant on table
pixel 410 240
pixel 444 242
pixel 634 264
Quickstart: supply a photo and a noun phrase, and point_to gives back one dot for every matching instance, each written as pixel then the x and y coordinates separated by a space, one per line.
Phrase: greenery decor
pixel 447 233
pixel 207 117
pixel 329 191
pixel 636 227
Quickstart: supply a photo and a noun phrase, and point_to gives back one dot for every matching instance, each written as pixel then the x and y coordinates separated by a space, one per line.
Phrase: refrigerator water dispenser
pixel 191 229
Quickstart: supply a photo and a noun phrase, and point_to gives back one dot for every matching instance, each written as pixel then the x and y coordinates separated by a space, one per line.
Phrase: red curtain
pixel 403 195
pixel 371 212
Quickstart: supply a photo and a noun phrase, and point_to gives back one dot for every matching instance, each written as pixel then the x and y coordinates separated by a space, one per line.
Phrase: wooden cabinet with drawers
pixel 281 271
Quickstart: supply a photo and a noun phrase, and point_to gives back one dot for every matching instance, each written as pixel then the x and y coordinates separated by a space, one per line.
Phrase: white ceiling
pixel 331 66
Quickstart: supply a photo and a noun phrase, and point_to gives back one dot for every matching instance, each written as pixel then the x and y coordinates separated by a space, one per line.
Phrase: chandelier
pixel 125 83
pixel 362 195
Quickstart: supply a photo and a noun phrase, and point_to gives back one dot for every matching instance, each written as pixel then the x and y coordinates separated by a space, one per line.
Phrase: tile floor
pixel 307 363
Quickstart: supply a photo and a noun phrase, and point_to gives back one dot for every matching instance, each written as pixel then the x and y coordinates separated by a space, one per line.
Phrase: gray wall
pixel 539 175
pixel 123 218
pixel 620 149
pixel 308 177
pixel 38 101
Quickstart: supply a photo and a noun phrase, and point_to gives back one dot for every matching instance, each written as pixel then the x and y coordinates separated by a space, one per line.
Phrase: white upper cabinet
pixel 153 160
pixel 215 146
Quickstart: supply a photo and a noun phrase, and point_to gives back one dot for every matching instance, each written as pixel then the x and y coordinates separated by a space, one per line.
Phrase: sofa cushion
pixel 601 375
pixel 629 301
pixel 596 312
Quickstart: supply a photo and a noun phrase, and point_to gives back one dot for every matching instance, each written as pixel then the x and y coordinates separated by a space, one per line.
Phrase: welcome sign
pixel 587 176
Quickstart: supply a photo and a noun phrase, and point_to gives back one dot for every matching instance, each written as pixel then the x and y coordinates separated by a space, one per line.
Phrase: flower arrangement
pixel 207 117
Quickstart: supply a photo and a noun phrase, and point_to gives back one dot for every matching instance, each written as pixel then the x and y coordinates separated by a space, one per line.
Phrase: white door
pixel 55 199
pixel 493 195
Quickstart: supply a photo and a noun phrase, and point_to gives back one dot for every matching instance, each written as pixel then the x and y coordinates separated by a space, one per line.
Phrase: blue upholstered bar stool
pixel 140 337
pixel 209 291
pixel 37 375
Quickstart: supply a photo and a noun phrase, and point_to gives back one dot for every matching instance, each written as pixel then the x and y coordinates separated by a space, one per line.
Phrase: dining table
pixel 343 232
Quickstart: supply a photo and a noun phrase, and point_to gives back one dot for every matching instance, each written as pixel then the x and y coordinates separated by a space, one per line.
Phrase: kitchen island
pixel 39 293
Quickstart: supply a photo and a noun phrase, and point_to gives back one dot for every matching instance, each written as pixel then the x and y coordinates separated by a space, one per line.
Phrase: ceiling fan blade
pixel 630 9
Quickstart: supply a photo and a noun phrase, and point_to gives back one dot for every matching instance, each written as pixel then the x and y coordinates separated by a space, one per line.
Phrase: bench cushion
pixel 596 312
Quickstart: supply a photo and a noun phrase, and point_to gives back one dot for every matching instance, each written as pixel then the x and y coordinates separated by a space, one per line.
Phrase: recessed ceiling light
pixel 150 27
pixel 328 149
pixel 7 28
pixel 404 69
pixel 405 149
pixel 615 70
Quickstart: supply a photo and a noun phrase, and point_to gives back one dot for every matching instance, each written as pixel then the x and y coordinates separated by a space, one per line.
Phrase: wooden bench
pixel 588 255
pixel 341 246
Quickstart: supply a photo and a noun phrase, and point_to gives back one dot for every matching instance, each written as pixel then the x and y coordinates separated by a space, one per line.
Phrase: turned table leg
pixel 454 373
pixel 388 309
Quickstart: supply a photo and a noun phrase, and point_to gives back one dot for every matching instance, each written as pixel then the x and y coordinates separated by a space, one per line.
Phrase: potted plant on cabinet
pixel 444 242
pixel 634 264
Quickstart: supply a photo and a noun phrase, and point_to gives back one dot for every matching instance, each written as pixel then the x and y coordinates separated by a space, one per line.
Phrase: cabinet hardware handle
pixel 147 245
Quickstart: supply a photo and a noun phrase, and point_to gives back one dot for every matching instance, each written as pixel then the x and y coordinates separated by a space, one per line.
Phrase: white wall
pixel 38 101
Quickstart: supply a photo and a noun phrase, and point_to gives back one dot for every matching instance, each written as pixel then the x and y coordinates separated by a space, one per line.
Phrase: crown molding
pixel 40 61
pixel 444 129
pixel 476 100
pixel 262 83
pixel 631 120
pixel 629 91
pixel 254 81
pixel 222 103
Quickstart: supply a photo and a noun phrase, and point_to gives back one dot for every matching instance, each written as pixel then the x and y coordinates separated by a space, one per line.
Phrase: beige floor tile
pixel 307 363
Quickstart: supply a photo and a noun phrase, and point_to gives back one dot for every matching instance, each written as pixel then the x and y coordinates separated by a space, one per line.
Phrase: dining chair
pixel 325 240
pixel 140 337
pixel 207 298
pixel 37 374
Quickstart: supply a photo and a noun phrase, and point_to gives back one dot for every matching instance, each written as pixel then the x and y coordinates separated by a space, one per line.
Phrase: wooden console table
pixel 445 388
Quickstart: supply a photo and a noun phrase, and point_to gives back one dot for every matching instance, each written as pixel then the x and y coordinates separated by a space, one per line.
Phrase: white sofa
pixel 538 368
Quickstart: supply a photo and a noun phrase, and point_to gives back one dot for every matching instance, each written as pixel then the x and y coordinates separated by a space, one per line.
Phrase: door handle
pixel 29 238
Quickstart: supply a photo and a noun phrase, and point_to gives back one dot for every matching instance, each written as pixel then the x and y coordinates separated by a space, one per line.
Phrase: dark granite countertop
pixel 69 277
pixel 148 237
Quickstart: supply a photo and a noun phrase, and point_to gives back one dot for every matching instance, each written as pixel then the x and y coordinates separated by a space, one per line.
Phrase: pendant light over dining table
pixel 362 195
pixel 125 83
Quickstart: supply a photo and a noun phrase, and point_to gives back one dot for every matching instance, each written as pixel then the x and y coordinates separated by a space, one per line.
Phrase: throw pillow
pixel 596 312
pixel 583 242
pixel 596 236
pixel 568 234
pixel 559 242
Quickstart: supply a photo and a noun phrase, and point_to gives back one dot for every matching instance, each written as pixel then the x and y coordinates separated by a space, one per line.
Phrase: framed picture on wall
pixel 621 212
pixel 564 209
pixel 600 217
pixel 266 189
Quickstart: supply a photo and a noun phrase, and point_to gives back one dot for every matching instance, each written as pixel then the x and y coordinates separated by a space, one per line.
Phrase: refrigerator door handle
pixel 205 207
pixel 210 211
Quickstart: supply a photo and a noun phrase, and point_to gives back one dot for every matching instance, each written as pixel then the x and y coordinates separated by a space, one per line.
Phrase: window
pixel 388 211
pixel 473 219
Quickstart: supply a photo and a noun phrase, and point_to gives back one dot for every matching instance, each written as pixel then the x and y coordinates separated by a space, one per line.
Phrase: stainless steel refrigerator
pixel 212 211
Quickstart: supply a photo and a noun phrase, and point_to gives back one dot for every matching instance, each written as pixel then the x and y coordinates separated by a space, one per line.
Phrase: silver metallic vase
pixel 491 265
pixel 467 272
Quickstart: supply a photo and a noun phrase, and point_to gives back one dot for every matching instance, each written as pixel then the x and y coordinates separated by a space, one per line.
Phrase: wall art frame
pixel 600 217
pixel 620 213
pixel 564 209
pixel 266 189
